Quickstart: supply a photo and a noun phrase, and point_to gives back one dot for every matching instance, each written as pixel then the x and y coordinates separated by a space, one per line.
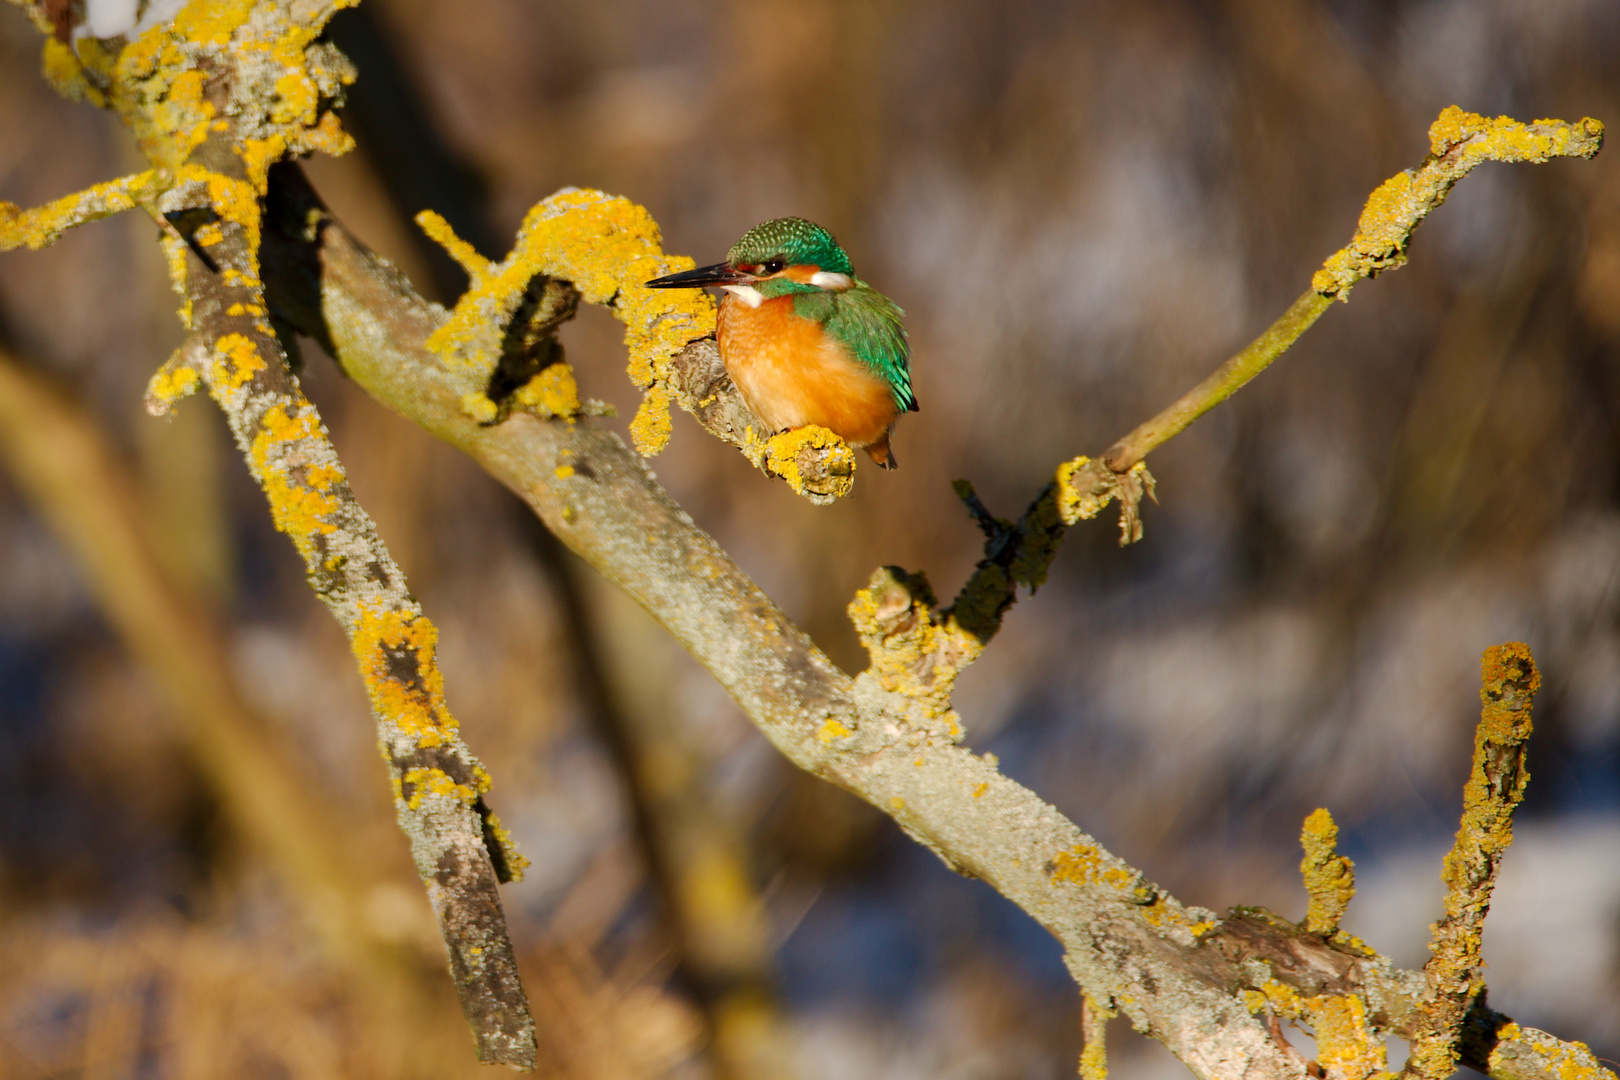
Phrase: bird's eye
pixel 773 266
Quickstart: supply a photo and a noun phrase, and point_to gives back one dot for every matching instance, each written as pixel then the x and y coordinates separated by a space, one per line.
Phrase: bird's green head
pixel 778 258
pixel 778 245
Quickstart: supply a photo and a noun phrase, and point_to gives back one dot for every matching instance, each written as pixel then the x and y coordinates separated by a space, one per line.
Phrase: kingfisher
pixel 804 339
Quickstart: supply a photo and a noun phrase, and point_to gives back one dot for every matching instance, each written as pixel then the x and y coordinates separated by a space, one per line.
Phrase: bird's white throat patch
pixel 827 279
pixel 746 293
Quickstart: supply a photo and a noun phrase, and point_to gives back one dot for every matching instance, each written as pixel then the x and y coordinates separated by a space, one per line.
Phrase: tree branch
pixel 1178 973
pixel 268 90
pixel 1458 141
pixel 1495 787
pixel 59 458
pixel 1189 980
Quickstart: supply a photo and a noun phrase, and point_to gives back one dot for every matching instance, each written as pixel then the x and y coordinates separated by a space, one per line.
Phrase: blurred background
pixel 1083 208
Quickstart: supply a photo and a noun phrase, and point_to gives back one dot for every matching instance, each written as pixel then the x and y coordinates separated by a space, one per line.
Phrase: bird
pixel 804 340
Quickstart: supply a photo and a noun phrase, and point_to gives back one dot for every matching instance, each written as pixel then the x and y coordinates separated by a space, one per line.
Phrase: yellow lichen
pixel 234 200
pixel 914 652
pixel 1281 999
pixel 551 392
pixel 1506 139
pixel 608 248
pixel 1162 914
pixel 1094 1054
pixel 563 472
pixel 1084 865
pixel 299 506
pixel 440 232
pixel 1094 1060
pixel 42 226
pixel 171 383
pixel 424 781
pixel 236 360
pixel 833 730
pixel 64 71
pixel 1557 1059
pixel 395 651
pixel 516 863
pixel 1330 878
pixel 651 427
pixel 212 23
pixel 158 84
pixel 478 406
pixel 1347 1048
pixel 1496 783
pixel 784 455
pixel 1458 141
pixel 259 154
pixel 1077 505
pixel 983 787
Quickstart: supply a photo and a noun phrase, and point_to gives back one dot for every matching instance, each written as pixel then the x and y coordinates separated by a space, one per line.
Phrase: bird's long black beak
pixel 718 274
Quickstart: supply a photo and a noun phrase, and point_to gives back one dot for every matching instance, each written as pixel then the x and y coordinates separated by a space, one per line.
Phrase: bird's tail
pixel 881 453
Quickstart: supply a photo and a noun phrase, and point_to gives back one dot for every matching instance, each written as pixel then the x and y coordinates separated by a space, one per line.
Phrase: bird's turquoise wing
pixel 872 326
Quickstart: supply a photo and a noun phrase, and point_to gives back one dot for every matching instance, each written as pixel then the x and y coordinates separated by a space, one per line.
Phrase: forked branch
pixel 1182 974
pixel 1197 983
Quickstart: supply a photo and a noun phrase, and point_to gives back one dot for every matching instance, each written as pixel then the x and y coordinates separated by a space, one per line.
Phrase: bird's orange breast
pixel 791 373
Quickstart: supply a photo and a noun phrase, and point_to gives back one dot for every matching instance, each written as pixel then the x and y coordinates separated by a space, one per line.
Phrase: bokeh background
pixel 1083 208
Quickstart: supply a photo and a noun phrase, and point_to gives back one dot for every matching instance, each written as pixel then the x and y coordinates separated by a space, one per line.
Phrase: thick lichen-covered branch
pixel 458 846
pixel 1495 787
pixel 216 98
pixel 1178 973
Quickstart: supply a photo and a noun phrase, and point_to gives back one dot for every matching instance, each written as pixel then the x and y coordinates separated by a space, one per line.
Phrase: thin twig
pixel 1458 141
pixel 1094 1019
pixel 1221 384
